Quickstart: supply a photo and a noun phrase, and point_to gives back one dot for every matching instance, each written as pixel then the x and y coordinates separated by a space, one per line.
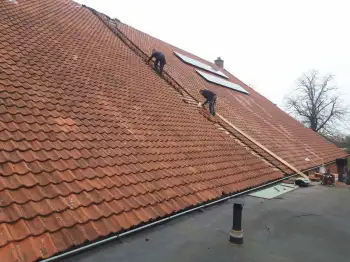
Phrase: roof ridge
pixel 178 48
pixel 190 53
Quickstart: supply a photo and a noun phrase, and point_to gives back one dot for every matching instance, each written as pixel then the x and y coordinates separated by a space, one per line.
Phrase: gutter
pixel 132 231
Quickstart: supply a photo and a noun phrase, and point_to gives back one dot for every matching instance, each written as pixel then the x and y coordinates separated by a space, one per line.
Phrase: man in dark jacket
pixel 160 59
pixel 210 98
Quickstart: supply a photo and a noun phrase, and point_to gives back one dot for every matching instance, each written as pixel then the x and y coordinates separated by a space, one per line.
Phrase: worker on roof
pixel 210 98
pixel 160 59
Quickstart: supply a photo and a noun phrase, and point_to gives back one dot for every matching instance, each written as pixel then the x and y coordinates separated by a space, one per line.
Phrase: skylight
pixel 198 64
pixel 222 82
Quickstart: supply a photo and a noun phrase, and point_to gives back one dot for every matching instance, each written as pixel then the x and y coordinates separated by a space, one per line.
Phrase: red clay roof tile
pixel 249 113
pixel 92 142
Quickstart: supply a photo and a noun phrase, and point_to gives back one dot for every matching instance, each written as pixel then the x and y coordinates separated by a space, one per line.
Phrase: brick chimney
pixel 219 62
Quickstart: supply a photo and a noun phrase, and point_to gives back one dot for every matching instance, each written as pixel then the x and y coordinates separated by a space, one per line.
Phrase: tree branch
pixel 315 102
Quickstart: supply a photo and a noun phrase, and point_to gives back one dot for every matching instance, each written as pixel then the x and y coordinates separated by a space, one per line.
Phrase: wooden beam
pixel 297 171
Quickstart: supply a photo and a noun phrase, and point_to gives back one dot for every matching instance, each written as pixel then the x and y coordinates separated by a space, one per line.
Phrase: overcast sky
pixel 267 44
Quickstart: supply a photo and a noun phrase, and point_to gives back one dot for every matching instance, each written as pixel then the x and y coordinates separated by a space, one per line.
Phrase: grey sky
pixel 267 44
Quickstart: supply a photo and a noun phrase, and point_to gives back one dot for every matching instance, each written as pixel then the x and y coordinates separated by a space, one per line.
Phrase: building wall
pixel 311 172
pixel 333 168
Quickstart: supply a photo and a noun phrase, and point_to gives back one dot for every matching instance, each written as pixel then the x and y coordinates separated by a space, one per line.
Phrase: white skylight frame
pixel 222 82
pixel 196 63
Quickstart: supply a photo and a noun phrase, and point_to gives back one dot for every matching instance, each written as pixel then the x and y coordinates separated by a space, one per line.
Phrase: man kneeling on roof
pixel 160 59
pixel 210 98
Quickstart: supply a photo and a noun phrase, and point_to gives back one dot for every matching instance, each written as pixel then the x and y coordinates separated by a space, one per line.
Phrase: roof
pixel 93 142
pixel 253 113
pixel 274 231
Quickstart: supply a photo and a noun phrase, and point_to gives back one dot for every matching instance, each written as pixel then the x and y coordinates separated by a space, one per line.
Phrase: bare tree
pixel 316 103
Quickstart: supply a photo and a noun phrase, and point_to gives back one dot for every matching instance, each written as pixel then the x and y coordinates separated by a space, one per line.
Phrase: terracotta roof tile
pixel 61 240
pixel 252 113
pixel 93 143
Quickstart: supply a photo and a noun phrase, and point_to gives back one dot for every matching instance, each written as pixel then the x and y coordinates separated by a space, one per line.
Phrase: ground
pixel 308 224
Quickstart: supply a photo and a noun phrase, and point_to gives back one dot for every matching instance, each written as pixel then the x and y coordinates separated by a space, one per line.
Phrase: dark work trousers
pixel 212 103
pixel 161 63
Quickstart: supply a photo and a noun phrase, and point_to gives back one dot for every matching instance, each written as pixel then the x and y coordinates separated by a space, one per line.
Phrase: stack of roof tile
pixel 92 141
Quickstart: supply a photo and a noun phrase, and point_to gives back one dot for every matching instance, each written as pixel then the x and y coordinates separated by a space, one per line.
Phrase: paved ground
pixel 308 224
